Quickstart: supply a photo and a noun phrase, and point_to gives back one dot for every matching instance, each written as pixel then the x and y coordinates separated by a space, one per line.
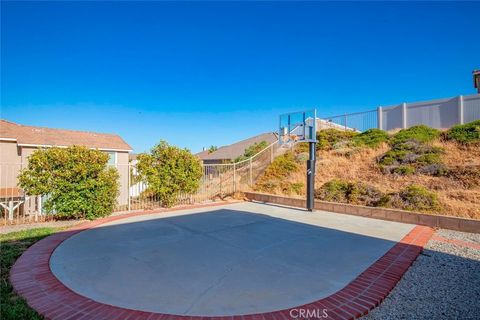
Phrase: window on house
pixel 112 159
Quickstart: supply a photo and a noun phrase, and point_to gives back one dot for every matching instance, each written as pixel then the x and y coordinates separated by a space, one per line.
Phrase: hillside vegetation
pixel 419 169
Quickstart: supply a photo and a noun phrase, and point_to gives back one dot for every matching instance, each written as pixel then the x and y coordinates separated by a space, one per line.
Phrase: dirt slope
pixel 458 191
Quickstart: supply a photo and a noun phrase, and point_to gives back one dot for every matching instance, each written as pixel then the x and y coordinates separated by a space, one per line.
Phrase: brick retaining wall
pixel 434 221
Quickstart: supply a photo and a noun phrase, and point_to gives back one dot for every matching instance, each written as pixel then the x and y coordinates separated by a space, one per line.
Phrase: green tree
pixel 212 149
pixel 169 171
pixel 252 150
pixel 76 181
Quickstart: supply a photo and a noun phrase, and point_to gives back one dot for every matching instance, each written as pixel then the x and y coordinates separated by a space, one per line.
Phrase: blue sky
pixel 197 74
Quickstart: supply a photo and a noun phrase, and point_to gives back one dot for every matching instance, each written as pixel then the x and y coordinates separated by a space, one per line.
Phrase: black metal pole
pixel 311 176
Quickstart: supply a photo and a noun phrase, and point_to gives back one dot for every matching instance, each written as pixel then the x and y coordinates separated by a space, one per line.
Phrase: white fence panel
pixel 440 114
pixel 471 108
pixel 392 118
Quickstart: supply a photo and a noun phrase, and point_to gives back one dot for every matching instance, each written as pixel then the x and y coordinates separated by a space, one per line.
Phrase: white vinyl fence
pixel 218 181
pixel 439 113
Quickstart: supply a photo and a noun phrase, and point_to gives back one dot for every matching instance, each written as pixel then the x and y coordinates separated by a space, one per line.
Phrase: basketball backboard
pixel 297 127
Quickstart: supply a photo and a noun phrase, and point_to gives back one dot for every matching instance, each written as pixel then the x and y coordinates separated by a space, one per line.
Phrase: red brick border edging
pixel 31 278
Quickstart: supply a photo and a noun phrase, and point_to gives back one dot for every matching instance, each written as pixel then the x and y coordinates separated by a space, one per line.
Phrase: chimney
pixel 476 80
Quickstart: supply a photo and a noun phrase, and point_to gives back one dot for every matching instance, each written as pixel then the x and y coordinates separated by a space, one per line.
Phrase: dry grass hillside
pixel 444 171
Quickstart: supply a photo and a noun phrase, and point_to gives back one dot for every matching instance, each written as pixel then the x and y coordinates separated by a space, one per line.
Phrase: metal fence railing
pixel 358 121
pixel 217 181
pixel 15 205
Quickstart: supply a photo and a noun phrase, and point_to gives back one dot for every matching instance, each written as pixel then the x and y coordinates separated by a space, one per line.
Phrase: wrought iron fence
pixel 217 181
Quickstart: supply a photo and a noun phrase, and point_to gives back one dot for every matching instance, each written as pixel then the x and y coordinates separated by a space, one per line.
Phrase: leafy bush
pixel 413 198
pixel 421 133
pixel 329 137
pixel 347 192
pixel 252 150
pixel 212 149
pixel 76 181
pixel 333 191
pixel 288 188
pixel 371 138
pixel 403 170
pixel 413 156
pixel 169 171
pixel 465 133
pixel 297 187
pixel 277 172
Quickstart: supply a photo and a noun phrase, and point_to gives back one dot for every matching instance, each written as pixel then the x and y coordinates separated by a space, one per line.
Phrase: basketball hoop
pixel 301 127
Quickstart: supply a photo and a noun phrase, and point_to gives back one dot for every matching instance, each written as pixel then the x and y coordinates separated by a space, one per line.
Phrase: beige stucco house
pixel 18 142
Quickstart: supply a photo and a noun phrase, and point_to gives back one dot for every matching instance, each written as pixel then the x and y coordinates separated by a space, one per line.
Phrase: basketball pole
pixel 311 177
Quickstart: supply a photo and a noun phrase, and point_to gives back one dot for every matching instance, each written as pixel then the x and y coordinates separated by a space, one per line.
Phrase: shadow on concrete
pixel 221 262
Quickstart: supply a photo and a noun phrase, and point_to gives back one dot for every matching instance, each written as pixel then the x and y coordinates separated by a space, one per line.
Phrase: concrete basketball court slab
pixel 242 258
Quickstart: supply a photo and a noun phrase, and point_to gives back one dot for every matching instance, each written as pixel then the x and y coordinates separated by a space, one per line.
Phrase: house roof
pixel 237 149
pixel 48 137
pixel 203 154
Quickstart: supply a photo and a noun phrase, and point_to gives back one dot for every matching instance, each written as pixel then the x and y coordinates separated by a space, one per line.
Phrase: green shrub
pixel 413 198
pixel 465 133
pixel 329 137
pixel 212 149
pixel 288 188
pixel 371 138
pixel 429 158
pixel 413 156
pixel 277 172
pixel 364 194
pixel 297 187
pixel 404 170
pixel 347 192
pixel 393 157
pixel 76 181
pixel 282 166
pixel 252 150
pixel 169 171
pixel 421 133
pixel 333 191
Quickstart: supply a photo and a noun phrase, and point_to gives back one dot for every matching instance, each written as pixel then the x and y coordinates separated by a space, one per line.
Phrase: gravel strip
pixel 443 283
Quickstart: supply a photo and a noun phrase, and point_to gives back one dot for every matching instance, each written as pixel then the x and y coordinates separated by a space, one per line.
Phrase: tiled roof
pixel 38 136
pixel 237 149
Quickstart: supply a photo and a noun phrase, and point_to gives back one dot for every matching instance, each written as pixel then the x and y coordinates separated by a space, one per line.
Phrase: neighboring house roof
pixel 202 154
pixel 132 157
pixel 237 149
pixel 327 124
pixel 48 137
